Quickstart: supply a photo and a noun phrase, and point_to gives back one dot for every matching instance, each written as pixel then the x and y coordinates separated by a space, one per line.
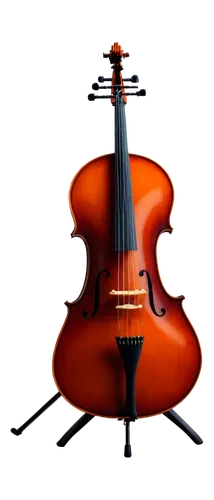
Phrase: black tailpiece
pixel 130 349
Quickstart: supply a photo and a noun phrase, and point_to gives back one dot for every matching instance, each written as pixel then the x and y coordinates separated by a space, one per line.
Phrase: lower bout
pixel 89 373
pixel 100 389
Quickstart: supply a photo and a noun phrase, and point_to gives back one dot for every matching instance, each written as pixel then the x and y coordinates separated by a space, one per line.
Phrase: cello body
pixel 87 366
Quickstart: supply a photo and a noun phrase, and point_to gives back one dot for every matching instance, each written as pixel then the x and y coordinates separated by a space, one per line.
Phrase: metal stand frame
pixel 128 428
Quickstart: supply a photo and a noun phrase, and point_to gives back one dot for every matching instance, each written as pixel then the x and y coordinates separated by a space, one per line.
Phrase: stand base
pixel 127 428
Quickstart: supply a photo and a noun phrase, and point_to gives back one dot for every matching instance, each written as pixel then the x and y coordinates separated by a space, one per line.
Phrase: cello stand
pixel 127 429
pixel 130 350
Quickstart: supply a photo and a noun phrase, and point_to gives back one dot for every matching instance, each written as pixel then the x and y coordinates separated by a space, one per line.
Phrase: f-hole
pixel 96 295
pixel 151 299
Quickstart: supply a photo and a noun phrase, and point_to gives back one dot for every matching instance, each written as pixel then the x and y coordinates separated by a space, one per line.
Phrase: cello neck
pixel 124 222
pixel 125 231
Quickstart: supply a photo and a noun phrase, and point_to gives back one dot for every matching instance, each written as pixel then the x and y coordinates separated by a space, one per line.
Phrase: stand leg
pixel 174 417
pixel 74 430
pixel 20 429
pixel 127 448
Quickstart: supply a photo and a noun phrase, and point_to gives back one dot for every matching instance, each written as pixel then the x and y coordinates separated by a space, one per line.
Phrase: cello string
pixel 117 187
pixel 127 152
pixel 136 298
pixel 126 200
pixel 131 225
pixel 120 212
pixel 128 234
pixel 136 266
pixel 130 211
pixel 124 154
pixel 122 200
pixel 125 190
pixel 133 233
pixel 126 134
pixel 139 297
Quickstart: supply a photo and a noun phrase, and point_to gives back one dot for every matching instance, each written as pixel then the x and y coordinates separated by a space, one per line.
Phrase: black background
pixel 51 125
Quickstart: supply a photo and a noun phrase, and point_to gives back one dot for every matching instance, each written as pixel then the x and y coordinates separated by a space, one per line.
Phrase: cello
pixel 127 349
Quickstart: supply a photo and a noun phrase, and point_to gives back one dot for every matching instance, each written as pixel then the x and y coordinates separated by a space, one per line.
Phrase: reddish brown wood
pixel 87 367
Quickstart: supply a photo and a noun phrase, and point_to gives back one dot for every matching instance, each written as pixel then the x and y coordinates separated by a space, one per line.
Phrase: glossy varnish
pixel 87 366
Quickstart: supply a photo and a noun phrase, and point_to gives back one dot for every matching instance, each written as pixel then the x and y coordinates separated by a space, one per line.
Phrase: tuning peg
pixel 127 54
pixel 101 79
pixel 133 79
pixel 142 91
pixel 104 53
pixel 91 95
pixel 95 86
